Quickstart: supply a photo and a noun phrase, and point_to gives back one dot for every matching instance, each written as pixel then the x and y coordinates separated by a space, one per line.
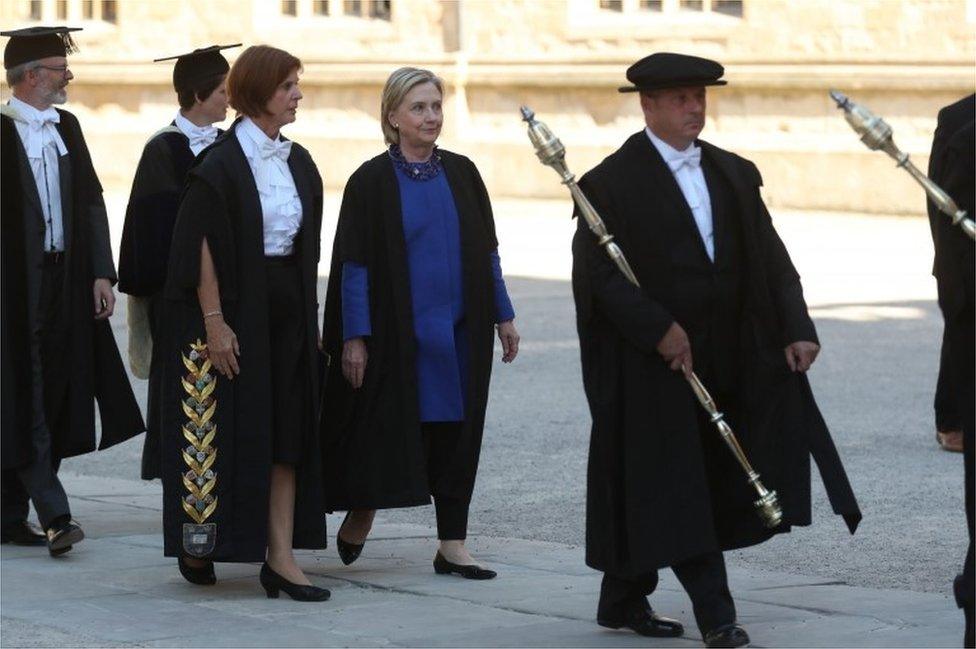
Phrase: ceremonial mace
pixel 876 134
pixel 552 153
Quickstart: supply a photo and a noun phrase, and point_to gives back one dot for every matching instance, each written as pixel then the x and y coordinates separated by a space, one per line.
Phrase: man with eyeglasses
pixel 58 353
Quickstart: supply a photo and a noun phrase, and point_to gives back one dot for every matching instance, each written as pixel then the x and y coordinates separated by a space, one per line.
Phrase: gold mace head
pixel 874 131
pixel 547 146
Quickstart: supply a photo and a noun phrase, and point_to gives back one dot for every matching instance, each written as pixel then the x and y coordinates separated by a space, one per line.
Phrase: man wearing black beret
pixel 718 295
pixel 58 352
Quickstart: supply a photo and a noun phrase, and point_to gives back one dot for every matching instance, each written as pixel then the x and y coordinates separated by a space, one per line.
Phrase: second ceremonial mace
pixel 877 134
pixel 552 153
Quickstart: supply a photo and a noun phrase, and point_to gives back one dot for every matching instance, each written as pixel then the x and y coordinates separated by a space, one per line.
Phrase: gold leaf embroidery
pixel 199 406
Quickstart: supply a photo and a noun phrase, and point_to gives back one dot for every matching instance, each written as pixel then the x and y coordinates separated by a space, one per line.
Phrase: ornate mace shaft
pixel 552 153
pixel 877 134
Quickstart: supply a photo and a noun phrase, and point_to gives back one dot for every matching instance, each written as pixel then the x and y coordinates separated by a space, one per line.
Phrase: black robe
pixel 650 500
pixel 221 203
pixel 94 369
pixel 146 234
pixel 372 446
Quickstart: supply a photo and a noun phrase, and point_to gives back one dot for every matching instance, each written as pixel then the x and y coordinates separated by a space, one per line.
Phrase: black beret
pixel 670 70
pixel 198 65
pixel 35 43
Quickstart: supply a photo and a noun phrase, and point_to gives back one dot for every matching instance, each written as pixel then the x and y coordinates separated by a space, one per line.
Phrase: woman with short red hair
pixel 241 467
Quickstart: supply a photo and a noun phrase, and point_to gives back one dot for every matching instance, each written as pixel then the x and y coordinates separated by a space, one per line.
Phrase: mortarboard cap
pixel 197 65
pixel 670 70
pixel 34 43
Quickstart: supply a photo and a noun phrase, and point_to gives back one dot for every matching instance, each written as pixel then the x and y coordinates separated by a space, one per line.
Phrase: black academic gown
pixel 949 411
pixel 146 234
pixel 372 445
pixel 221 203
pixel 92 370
pixel 658 491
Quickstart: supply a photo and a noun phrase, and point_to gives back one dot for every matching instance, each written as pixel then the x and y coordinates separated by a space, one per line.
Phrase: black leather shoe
pixel 348 552
pixel 23 533
pixel 646 622
pixel 62 534
pixel 273 582
pixel 200 576
pixel 444 567
pixel 728 635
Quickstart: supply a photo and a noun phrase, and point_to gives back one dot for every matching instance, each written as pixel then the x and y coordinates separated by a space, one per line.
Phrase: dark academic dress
pixel 91 369
pixel 953 166
pixel 217 435
pixel 146 234
pixel 415 268
pixel 661 486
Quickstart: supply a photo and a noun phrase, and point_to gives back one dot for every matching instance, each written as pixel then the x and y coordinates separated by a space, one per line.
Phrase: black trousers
pixel 947 412
pixel 703 578
pixel 965 583
pixel 440 443
pixel 964 345
pixel 38 481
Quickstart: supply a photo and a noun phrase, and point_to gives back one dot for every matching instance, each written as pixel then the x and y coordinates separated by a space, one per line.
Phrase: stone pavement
pixel 117 589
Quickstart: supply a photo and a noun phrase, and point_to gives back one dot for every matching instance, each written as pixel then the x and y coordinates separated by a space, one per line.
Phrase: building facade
pixel 904 59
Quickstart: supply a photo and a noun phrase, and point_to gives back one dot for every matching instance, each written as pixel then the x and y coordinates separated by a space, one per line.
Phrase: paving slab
pixel 117 589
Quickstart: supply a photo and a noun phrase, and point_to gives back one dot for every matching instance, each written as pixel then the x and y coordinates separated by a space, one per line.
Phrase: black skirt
pixel 289 370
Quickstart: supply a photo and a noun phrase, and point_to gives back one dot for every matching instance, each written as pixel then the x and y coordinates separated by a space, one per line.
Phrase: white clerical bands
pixel 43 127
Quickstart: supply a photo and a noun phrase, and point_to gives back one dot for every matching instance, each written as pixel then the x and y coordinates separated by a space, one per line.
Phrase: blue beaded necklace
pixel 419 171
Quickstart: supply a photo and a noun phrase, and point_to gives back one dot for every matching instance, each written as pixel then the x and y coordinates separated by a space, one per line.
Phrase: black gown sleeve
pixel 484 203
pixel 149 219
pixel 352 231
pixel 91 203
pixel 640 319
pixel 203 214
pixel 784 281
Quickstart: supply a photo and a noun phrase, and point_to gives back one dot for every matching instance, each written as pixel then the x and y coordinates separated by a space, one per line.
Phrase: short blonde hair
pixel 397 86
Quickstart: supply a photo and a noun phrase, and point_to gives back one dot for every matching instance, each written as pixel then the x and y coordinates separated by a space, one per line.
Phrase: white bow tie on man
pixel 690 157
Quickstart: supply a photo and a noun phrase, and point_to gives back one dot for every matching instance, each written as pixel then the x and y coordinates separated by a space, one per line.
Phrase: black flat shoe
pixel 200 576
pixel 62 535
pixel 273 582
pixel 23 533
pixel 444 567
pixel 348 552
pixel 728 635
pixel 646 622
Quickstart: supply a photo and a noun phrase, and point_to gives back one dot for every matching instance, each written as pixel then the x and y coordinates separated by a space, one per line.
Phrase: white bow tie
pixel 271 168
pixel 690 157
pixel 202 136
pixel 275 149
pixel 41 128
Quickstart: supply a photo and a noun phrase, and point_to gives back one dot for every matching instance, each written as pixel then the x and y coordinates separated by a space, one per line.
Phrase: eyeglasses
pixel 55 68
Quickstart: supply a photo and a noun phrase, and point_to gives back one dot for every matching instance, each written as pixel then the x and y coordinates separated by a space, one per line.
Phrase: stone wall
pixel 903 59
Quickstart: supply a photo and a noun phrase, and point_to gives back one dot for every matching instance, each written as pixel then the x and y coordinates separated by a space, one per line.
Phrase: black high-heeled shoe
pixel 272 582
pixel 348 552
pixel 200 576
pixel 444 567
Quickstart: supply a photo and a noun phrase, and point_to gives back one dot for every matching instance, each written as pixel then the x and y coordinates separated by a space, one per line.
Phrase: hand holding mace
pixel 552 153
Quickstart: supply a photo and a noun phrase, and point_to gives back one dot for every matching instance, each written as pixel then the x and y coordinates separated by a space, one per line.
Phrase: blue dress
pixel 432 235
